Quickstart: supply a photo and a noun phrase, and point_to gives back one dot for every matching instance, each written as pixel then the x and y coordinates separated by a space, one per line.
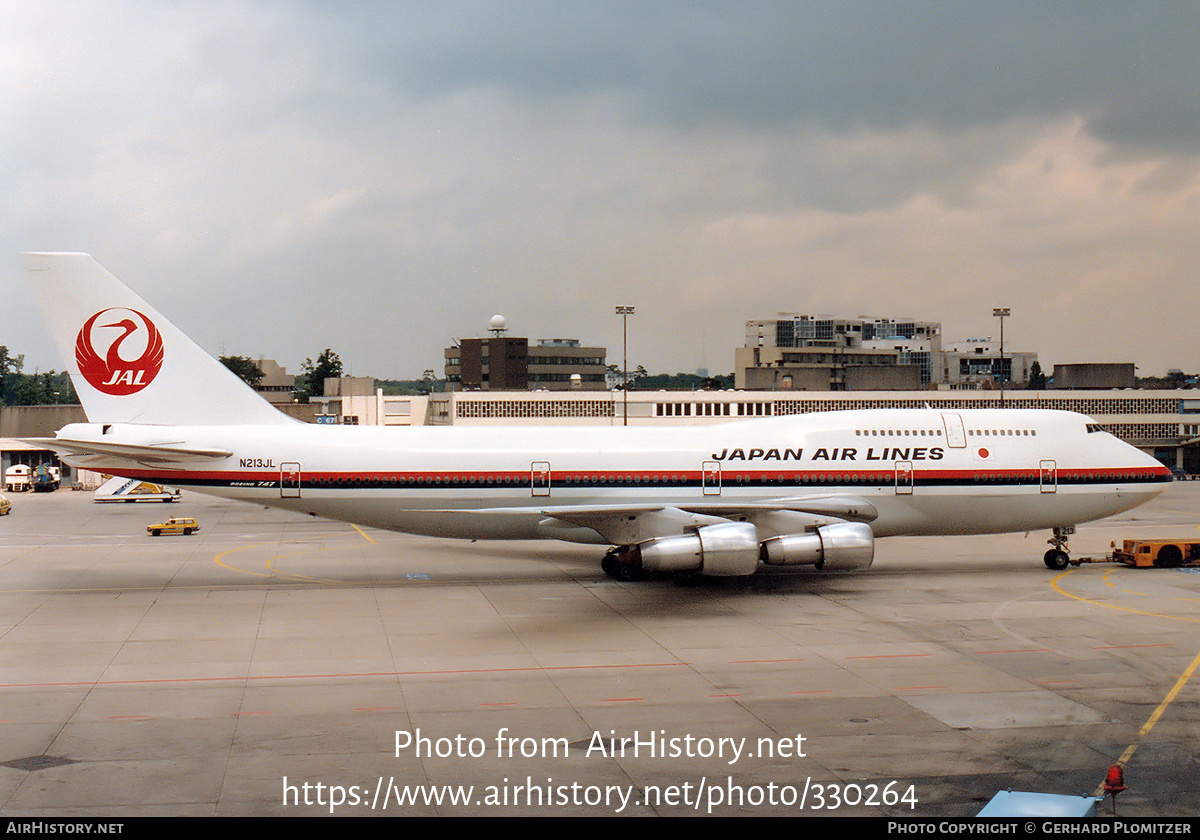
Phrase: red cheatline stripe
pixel 664 476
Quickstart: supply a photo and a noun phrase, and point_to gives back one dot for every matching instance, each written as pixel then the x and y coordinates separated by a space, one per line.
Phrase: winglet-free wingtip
pixel 55 254
pixel 37 260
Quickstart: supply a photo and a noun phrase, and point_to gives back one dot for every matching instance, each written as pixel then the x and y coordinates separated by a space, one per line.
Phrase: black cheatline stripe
pixel 829 482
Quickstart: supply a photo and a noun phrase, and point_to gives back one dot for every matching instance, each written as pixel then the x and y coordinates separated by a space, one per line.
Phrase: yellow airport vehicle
pixel 1163 554
pixel 5 506
pixel 174 525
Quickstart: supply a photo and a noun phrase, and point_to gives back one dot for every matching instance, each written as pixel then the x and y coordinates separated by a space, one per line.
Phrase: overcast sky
pixel 381 178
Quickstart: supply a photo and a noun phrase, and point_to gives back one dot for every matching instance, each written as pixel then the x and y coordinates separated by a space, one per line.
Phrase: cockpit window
pixel 1095 427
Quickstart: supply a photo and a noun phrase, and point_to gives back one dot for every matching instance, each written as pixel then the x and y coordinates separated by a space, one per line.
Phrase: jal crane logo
pixel 119 333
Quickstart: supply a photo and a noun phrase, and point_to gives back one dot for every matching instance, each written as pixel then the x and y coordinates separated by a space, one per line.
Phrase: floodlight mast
pixel 625 312
pixel 1001 312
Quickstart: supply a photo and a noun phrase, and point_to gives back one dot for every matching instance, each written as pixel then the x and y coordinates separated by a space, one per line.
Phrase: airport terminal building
pixel 1164 423
pixel 796 352
pixel 505 363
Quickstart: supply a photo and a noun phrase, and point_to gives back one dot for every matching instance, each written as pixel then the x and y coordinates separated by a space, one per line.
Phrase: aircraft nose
pixel 1149 462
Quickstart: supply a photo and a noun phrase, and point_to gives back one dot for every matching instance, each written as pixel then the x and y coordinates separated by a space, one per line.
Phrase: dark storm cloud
pixel 844 66
pixel 381 176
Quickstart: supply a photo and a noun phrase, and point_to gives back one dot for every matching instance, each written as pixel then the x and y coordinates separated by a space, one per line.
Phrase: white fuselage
pixel 923 471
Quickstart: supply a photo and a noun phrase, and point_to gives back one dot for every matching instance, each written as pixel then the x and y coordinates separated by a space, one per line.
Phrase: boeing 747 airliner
pixel 814 489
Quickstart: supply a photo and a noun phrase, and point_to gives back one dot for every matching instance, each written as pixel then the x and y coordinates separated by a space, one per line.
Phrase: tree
pixel 1037 379
pixel 17 388
pixel 10 370
pixel 616 374
pixel 428 382
pixel 311 382
pixel 22 390
pixel 246 369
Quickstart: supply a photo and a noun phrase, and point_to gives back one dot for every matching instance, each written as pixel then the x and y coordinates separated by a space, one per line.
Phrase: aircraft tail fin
pixel 128 363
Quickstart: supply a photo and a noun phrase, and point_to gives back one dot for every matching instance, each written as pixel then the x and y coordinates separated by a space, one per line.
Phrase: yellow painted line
pixel 271 573
pixel 1112 585
pixel 219 559
pixel 1134 591
pixel 275 573
pixel 223 565
pixel 1155 716
pixel 1054 585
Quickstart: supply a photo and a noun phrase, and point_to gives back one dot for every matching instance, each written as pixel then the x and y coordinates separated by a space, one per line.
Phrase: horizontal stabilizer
pixel 159 455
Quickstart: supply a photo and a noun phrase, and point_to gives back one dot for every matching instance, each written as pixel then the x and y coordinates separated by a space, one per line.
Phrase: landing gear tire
pixel 1057 560
pixel 609 565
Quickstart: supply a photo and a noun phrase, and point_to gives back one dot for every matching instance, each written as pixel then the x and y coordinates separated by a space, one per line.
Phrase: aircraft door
pixel 1049 474
pixel 904 478
pixel 710 478
pixel 539 478
pixel 289 480
pixel 956 435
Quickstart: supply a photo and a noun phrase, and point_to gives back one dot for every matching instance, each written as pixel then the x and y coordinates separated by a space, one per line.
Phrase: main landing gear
pixel 1057 558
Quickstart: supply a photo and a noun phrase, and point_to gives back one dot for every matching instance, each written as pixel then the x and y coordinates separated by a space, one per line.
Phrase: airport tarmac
pixel 272 659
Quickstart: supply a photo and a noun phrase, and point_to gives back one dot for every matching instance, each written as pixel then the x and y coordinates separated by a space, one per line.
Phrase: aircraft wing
pixel 628 524
pixel 99 454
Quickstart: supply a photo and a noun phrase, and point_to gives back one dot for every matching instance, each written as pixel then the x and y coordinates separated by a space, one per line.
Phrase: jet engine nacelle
pixel 728 548
pixel 837 547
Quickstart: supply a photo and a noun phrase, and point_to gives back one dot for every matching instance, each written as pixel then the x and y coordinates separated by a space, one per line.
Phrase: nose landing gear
pixel 1057 558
